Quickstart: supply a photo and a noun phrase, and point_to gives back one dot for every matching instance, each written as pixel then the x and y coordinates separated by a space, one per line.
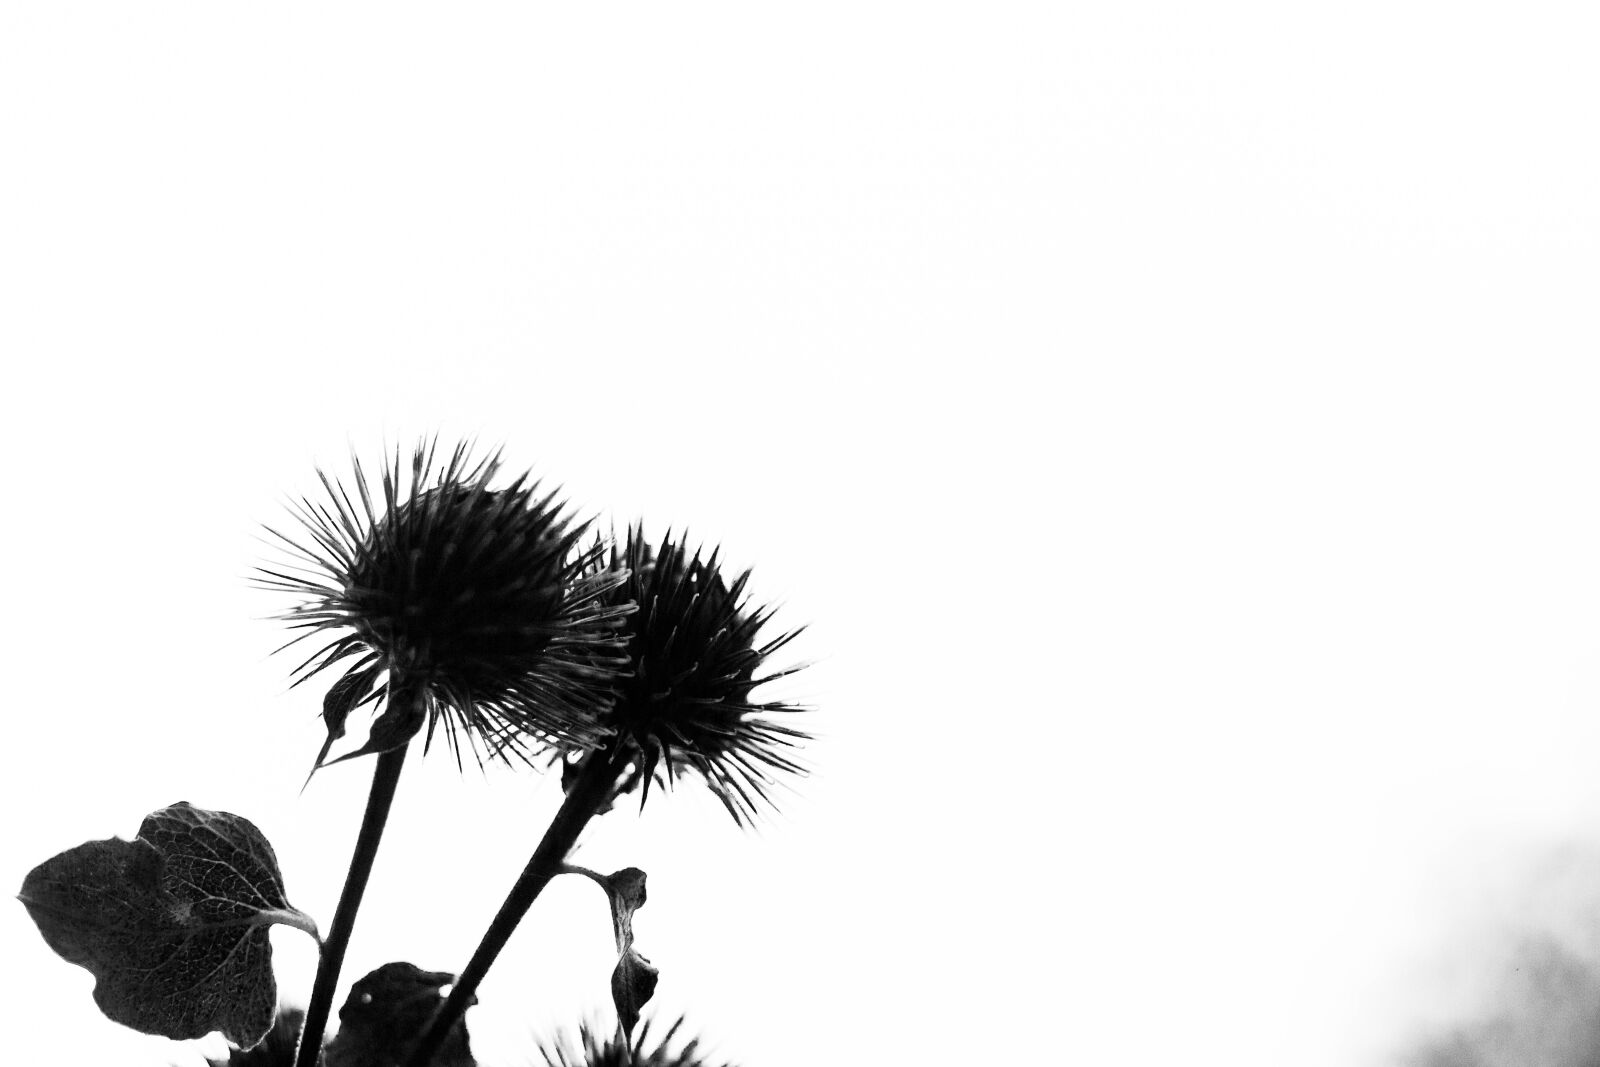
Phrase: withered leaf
pixel 633 980
pixel 626 890
pixel 173 924
pixel 633 983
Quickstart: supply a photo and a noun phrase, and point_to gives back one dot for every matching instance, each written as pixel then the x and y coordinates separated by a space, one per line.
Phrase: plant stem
pixel 385 777
pixel 588 794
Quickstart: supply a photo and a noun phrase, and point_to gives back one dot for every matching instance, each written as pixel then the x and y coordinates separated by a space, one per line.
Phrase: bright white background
pixel 1179 424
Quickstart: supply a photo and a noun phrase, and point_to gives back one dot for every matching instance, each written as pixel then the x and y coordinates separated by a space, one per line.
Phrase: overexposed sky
pixel 1176 424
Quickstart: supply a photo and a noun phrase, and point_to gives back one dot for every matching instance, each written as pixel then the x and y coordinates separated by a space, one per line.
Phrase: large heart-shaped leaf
pixel 173 925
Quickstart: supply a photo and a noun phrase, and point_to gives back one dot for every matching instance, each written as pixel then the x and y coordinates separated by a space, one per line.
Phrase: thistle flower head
pixel 594 1051
pixel 695 655
pixel 452 602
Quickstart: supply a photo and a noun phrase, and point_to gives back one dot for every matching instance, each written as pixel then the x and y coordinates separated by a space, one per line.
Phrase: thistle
pixel 695 653
pixel 694 657
pixel 593 1051
pixel 448 602
pixel 467 598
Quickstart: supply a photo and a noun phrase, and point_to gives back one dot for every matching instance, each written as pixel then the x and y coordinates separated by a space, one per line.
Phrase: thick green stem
pixel 385 777
pixel 588 794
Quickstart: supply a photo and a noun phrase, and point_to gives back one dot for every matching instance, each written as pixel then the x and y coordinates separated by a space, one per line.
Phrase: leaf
pixel 343 697
pixel 400 721
pixel 626 890
pixel 633 980
pixel 173 925
pixel 386 1014
pixel 633 983
pixel 277 1050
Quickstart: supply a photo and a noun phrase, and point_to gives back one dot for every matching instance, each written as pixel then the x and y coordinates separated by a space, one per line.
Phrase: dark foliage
pixel 381 1019
pixel 387 1012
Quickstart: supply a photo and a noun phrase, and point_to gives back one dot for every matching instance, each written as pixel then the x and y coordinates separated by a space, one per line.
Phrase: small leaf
pixel 400 721
pixel 386 1014
pixel 626 890
pixel 173 925
pixel 633 983
pixel 343 697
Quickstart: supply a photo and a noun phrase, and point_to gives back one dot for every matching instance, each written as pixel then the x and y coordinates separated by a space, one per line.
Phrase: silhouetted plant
pixel 445 601
pixel 386 1009
pixel 684 703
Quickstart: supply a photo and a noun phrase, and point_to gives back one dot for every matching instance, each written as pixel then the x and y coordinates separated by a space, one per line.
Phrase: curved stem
pixel 594 876
pixel 385 777
pixel 589 793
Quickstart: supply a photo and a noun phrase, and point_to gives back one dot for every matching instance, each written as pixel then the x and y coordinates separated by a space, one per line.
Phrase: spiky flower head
pixel 592 1050
pixel 695 655
pixel 450 601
